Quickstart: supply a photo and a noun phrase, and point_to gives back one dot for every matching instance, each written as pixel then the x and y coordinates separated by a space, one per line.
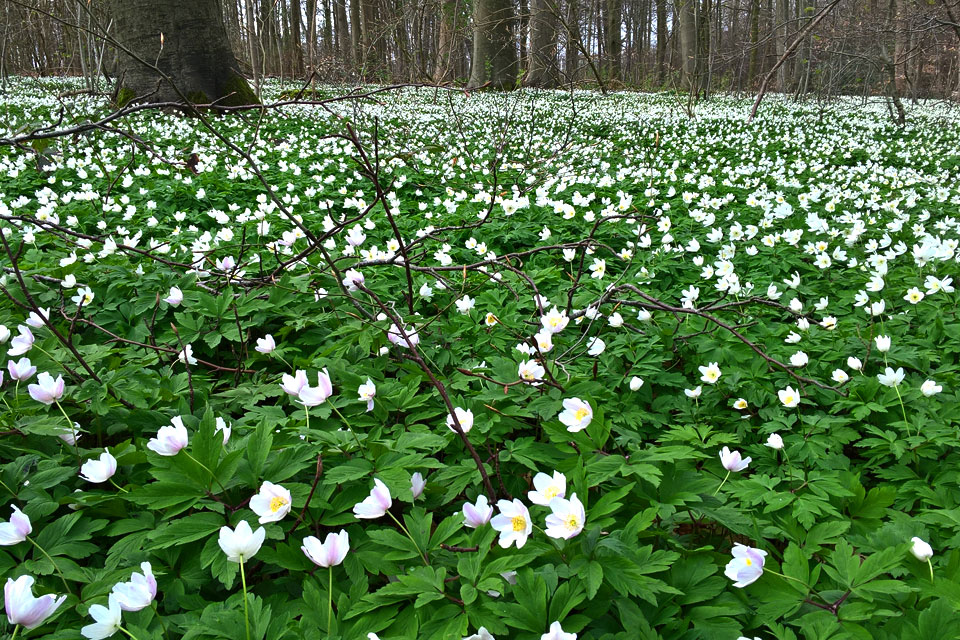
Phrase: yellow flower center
pixel 749 562
pixel 580 414
pixel 572 523
pixel 277 503
pixel 519 523
pixel 550 493
pixel 554 322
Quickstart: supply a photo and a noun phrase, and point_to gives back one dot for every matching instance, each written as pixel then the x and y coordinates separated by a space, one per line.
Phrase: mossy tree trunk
pixel 187 41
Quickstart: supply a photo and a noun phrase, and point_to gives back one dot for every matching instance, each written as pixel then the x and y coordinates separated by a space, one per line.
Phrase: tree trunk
pixel 296 44
pixel 443 71
pixel 543 70
pixel 356 33
pixel 613 44
pixel 494 49
pixel 754 42
pixel 687 15
pixel 343 31
pixel 571 41
pixel 188 42
pixel 662 38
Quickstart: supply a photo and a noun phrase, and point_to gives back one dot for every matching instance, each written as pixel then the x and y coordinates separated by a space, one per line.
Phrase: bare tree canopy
pixel 902 50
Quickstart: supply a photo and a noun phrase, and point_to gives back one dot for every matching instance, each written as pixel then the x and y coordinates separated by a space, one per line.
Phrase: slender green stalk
pixel 903 411
pixel 404 529
pixel 12 492
pixel 72 431
pixel 44 552
pixel 722 483
pixel 163 625
pixel 809 588
pixel 930 564
pixel 280 357
pixel 213 476
pixel 15 630
pixel 330 600
pixel 128 633
pixel 118 486
pixel 349 428
pixel 246 615
pixel 789 468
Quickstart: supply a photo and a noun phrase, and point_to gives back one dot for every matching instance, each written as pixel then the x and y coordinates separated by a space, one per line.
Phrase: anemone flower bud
pixel 22 343
pixel 16 530
pixel 368 392
pixel 732 461
pixel 175 297
pixel 313 396
pixel 921 550
pixel 170 439
pixel 242 543
pixel 21 370
pixel 292 384
pixel 329 553
pixel 100 470
pixel 47 390
pixel 417 483
pixel 107 618
pixel 139 592
pixel 266 344
pixel 22 608
pixel 479 514
pixel 376 504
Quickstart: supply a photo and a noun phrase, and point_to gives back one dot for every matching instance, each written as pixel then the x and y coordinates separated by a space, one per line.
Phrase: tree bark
pixel 187 41
pixel 687 15
pixel 494 49
pixel 613 43
pixel 442 72
pixel 543 71
pixel 662 38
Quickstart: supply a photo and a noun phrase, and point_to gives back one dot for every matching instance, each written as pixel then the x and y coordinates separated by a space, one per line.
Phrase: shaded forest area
pixel 899 48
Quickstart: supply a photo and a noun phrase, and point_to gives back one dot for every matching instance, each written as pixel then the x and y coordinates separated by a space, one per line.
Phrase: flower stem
pixel 399 524
pixel 127 632
pixel 789 468
pixel 246 615
pixel 280 357
pixel 213 477
pixel 163 625
pixel 809 588
pixel 359 446
pixel 722 483
pixel 903 410
pixel 930 564
pixel 118 486
pixel 330 600
pixel 15 630
pixel 44 552
pixel 12 492
pixel 72 431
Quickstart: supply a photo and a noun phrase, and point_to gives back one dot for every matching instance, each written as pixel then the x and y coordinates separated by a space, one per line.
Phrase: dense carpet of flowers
pixel 430 364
